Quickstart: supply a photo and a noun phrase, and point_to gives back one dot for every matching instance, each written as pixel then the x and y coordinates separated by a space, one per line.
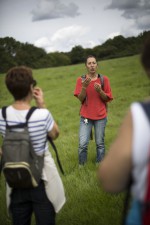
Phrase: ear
pixel 31 88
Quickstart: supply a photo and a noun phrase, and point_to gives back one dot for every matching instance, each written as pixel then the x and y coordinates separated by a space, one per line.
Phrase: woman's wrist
pixel 41 104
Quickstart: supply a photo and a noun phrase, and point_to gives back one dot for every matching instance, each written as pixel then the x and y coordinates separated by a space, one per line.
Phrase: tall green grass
pixel 87 203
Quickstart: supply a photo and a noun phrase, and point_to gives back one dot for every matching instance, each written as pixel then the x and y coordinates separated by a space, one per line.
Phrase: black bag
pixel 21 166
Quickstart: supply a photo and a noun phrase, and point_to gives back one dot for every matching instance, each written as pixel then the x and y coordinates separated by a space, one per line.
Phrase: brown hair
pixel 18 81
pixel 89 56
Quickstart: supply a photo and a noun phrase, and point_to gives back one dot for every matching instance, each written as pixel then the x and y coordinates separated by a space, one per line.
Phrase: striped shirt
pixel 39 124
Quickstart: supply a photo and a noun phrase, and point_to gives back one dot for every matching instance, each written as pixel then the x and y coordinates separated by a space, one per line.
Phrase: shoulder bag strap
pixel 4 112
pixel 21 125
pixel 102 80
pixel 31 110
pixel 56 152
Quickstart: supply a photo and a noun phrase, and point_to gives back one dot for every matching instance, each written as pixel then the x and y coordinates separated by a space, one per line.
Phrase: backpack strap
pixel 146 107
pixel 21 125
pixel 4 112
pixel 83 77
pixel 31 110
pixel 102 80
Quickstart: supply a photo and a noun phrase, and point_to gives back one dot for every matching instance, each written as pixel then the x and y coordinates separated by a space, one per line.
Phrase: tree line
pixel 15 53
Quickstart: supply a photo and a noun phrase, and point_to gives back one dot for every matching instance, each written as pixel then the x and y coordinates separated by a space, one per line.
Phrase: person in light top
pixel 48 198
pixel 129 155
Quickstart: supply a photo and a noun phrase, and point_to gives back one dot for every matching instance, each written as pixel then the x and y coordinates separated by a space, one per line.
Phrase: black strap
pixel 31 110
pixel 146 107
pixel 4 112
pixel 20 125
pixel 99 76
pixel 57 157
pixel 102 80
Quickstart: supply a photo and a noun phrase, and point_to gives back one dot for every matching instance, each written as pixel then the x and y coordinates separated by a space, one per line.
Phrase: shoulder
pixel 105 77
pixel 136 108
pixel 41 111
pixel 41 114
pixel 138 112
pixel 80 78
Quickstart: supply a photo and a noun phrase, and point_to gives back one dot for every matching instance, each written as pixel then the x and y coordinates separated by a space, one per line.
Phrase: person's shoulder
pixel 42 110
pixel 105 77
pixel 9 107
pixel 41 113
pixel 139 103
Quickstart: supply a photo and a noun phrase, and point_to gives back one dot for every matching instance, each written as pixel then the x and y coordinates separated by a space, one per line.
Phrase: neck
pixel 92 75
pixel 21 104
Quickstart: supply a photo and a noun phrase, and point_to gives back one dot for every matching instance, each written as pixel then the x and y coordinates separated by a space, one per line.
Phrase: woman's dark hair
pixel 18 81
pixel 89 56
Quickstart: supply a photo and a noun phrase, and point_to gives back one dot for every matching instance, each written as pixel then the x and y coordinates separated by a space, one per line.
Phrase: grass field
pixel 87 203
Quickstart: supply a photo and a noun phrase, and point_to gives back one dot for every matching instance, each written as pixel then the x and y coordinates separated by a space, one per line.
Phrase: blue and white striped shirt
pixel 39 124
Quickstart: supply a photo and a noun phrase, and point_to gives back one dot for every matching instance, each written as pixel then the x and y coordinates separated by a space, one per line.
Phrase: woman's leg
pixel 84 136
pixel 99 126
pixel 42 207
pixel 21 207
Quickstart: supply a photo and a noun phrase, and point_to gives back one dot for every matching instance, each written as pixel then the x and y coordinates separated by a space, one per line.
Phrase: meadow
pixel 87 203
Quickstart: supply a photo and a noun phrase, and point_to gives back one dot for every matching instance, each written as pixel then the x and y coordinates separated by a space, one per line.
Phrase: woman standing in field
pixel 48 197
pixel 93 112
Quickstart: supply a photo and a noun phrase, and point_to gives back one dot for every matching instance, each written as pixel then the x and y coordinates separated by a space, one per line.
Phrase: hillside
pixel 87 203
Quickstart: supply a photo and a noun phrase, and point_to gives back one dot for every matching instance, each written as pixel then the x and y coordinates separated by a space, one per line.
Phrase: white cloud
pixel 65 39
pixel 74 31
pixel 112 35
pixel 52 9
pixel 42 43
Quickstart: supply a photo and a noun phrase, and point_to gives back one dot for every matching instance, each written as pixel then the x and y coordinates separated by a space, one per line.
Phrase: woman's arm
pixel 85 84
pixel 114 171
pixel 39 98
pixel 54 133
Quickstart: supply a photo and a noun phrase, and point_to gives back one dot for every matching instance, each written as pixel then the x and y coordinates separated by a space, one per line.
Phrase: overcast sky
pixel 59 25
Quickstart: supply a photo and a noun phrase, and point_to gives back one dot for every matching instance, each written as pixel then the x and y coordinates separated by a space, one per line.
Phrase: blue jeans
pixel 84 137
pixel 24 202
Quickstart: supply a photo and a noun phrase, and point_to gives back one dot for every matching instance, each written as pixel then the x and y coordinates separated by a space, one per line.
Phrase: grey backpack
pixel 21 166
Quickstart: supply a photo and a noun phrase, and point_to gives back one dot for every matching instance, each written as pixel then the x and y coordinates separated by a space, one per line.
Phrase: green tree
pixel 77 55
pixel 60 59
pixel 7 53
